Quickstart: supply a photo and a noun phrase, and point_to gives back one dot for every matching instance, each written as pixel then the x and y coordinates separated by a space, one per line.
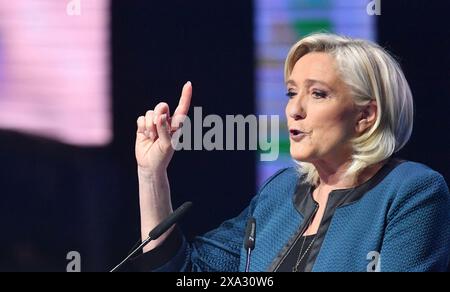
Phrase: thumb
pixel 163 128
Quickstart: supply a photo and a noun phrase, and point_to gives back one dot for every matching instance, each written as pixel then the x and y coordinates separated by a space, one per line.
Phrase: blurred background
pixel 75 75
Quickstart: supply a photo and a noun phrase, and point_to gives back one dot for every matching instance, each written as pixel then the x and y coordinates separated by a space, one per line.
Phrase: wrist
pixel 147 174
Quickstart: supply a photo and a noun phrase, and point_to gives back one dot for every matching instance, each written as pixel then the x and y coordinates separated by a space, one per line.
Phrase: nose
pixel 295 109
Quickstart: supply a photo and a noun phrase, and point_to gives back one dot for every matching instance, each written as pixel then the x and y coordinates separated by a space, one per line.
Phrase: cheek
pixel 347 124
pixel 332 126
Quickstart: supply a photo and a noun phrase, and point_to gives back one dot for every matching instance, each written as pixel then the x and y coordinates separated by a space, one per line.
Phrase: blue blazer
pixel 401 222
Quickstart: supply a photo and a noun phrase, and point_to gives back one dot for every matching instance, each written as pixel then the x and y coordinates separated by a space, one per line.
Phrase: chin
pixel 300 156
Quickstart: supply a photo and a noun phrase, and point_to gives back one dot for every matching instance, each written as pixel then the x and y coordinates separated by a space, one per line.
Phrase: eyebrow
pixel 308 83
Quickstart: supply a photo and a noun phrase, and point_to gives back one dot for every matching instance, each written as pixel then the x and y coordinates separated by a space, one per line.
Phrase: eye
pixel 319 94
pixel 291 94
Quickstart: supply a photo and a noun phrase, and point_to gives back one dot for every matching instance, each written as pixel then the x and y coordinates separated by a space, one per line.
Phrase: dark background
pixel 56 198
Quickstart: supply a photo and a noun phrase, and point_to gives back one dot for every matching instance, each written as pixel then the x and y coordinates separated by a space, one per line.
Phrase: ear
pixel 367 117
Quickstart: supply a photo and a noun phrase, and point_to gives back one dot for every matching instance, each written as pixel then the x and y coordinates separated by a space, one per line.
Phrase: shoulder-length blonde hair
pixel 371 74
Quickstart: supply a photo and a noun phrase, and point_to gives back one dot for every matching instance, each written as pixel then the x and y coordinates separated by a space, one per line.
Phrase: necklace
pixel 300 255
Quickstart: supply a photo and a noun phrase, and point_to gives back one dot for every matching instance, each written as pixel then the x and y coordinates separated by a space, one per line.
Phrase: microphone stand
pixel 247 264
pixel 249 240
pixel 142 245
pixel 158 231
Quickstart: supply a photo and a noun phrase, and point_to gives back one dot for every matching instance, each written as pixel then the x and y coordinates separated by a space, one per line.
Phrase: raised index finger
pixel 183 106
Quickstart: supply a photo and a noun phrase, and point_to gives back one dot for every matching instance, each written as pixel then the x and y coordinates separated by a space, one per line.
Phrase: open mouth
pixel 297 134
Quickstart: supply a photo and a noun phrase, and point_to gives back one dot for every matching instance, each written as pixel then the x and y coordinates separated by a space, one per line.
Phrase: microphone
pixel 158 231
pixel 249 240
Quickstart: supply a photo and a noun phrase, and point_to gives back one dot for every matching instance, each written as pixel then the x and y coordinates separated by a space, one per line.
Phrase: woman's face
pixel 320 112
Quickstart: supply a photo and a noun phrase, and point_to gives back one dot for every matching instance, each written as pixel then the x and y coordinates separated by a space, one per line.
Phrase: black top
pixel 299 255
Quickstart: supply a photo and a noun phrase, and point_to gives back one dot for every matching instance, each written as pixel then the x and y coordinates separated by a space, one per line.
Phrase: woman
pixel 349 206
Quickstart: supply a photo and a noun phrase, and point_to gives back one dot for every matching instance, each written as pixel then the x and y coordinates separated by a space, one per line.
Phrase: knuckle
pixel 161 106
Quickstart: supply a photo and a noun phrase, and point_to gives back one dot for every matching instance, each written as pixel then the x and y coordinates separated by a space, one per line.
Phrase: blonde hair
pixel 371 74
